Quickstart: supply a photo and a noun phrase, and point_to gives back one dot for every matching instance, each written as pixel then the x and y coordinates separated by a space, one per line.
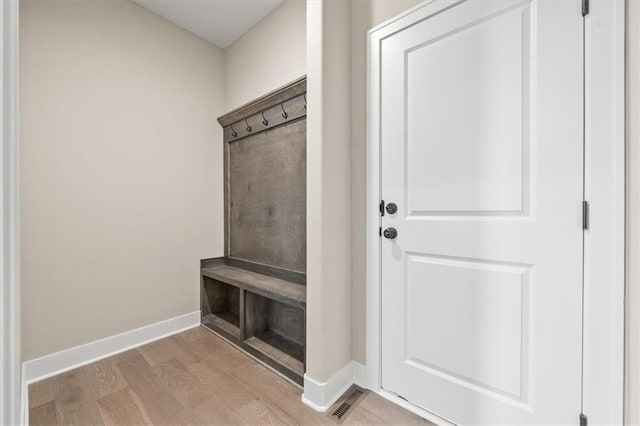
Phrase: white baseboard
pixel 321 396
pixel 24 400
pixel 360 375
pixel 59 362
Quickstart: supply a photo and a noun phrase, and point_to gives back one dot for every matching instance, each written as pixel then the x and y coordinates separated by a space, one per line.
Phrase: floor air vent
pixel 343 407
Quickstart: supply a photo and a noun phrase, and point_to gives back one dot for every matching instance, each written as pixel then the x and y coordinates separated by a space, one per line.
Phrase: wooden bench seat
pixel 274 288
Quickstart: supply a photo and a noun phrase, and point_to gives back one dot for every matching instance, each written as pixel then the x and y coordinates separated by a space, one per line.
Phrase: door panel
pixel 482 307
pixel 477 123
pixel 482 146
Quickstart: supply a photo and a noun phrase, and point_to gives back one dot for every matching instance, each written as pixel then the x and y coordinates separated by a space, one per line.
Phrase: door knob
pixel 390 233
pixel 392 208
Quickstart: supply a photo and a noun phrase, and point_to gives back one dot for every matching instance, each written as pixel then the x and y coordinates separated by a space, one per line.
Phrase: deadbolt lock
pixel 392 208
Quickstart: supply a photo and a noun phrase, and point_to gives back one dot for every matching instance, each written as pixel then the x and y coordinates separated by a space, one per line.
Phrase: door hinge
pixel 585 215
pixel 585 7
pixel 380 231
pixel 381 207
pixel 583 420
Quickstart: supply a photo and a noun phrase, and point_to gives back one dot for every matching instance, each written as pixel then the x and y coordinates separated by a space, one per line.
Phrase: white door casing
pixel 481 133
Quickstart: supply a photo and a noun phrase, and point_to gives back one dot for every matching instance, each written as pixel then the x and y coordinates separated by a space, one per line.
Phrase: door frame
pixel 12 395
pixel 604 268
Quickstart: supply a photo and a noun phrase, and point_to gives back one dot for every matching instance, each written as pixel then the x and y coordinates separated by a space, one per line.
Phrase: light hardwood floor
pixel 192 378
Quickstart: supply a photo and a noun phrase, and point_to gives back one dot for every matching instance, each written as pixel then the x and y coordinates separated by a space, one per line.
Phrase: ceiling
pixel 219 21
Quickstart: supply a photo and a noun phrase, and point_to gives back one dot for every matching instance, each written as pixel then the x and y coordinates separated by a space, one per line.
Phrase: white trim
pixel 10 375
pixel 359 374
pixel 24 400
pixel 59 362
pixel 603 368
pixel 321 396
pixel 604 272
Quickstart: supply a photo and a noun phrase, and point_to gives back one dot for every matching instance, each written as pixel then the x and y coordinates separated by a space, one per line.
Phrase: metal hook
pixel 284 113
pixel 264 120
pixel 305 100
pixel 233 132
pixel 247 123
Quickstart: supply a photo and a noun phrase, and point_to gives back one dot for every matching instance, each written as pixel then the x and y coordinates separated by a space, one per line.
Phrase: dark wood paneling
pixel 256 314
pixel 286 112
pixel 282 94
pixel 283 274
pixel 288 322
pixel 267 198
pixel 213 261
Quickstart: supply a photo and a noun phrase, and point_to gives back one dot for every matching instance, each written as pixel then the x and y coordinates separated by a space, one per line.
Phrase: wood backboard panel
pixel 267 197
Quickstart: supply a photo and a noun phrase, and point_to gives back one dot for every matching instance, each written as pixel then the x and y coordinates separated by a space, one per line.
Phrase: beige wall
pixel 269 55
pixel 365 14
pixel 632 415
pixel 328 189
pixel 121 184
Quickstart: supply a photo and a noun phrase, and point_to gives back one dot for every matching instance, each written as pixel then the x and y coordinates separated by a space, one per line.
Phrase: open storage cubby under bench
pixel 262 314
pixel 222 307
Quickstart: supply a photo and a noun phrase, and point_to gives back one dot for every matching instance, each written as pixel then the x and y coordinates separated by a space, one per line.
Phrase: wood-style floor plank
pixel 105 377
pixel 261 412
pixel 280 393
pixel 212 413
pixel 43 415
pixel 390 413
pixel 194 377
pixel 163 408
pixel 223 389
pixel 362 416
pixel 121 408
pixel 181 383
pixel 76 403
pixel 43 391
pixel 165 349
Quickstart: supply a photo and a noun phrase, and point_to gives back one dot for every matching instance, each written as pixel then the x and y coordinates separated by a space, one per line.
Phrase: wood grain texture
pixel 43 415
pixel 121 408
pixel 219 385
pixel 281 94
pixel 159 403
pixel 75 402
pixel 271 271
pixel 184 386
pixel 389 413
pixel 274 117
pixel 274 288
pixel 104 377
pixel 45 391
pixel 164 350
pixel 266 176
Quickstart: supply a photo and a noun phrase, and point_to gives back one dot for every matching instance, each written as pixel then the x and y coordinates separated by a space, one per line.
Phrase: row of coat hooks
pixel 284 114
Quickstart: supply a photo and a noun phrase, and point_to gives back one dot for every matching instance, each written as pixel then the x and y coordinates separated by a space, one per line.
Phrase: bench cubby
pixel 221 307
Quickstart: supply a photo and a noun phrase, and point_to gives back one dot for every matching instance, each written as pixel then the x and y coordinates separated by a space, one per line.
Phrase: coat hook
pixel 264 120
pixel 247 123
pixel 284 113
pixel 305 100
pixel 233 132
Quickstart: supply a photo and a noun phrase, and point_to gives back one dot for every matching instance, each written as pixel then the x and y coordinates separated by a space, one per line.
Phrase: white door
pixel 481 127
